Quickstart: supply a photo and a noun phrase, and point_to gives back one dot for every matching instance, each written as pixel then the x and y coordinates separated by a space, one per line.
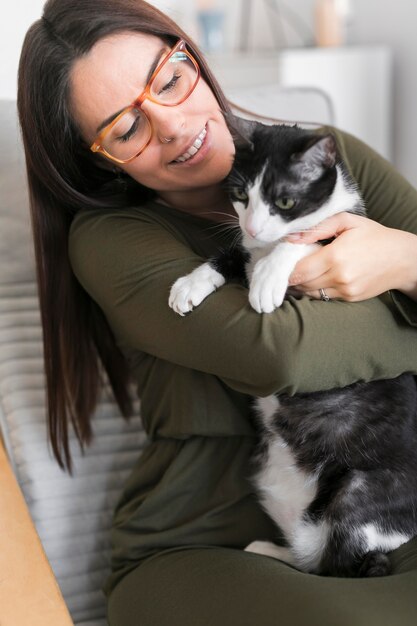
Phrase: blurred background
pixel 350 62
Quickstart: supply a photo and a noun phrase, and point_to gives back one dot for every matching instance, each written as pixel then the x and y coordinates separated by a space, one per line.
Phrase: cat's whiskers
pixel 230 228
pixel 231 216
pixel 224 224
pixel 236 240
pixel 231 224
pixel 222 228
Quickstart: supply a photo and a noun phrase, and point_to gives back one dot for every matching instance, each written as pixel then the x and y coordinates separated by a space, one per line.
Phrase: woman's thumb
pixel 328 228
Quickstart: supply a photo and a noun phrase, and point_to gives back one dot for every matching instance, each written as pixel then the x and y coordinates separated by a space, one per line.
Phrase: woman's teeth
pixel 194 148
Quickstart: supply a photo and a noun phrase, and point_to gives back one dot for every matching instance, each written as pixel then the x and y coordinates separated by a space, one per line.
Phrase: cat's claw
pixel 189 291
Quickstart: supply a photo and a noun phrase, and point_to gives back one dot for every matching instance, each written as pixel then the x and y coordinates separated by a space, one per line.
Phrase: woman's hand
pixel 363 261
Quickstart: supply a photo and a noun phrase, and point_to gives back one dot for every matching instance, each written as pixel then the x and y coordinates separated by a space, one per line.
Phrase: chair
pixel 307 106
pixel 72 515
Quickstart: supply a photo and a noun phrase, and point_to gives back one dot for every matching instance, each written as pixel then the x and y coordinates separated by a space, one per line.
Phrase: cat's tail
pixel 344 556
pixel 375 564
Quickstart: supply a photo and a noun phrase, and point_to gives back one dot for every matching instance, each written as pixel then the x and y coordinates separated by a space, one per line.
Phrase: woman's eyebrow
pixel 153 67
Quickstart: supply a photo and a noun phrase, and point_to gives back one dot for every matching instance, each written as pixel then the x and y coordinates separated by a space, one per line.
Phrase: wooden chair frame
pixel 29 592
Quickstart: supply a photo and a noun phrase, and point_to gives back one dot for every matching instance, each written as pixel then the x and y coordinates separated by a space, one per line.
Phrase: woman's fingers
pixel 331 227
pixel 333 266
pixel 364 260
pixel 311 268
pixel 326 294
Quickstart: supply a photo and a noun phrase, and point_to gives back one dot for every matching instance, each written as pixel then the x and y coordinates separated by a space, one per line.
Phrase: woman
pixel 125 199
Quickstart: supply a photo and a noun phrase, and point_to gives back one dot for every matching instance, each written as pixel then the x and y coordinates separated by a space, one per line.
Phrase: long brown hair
pixel 64 177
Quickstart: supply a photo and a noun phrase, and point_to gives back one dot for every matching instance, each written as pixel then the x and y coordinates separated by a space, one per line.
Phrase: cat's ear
pixel 320 154
pixel 241 130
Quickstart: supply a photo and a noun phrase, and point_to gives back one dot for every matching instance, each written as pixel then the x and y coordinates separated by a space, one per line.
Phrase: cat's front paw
pixel 267 287
pixel 189 291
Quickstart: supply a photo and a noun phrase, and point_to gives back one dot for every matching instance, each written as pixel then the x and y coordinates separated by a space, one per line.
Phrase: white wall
pixel 374 21
pixel 394 23
pixel 20 14
pixel 391 22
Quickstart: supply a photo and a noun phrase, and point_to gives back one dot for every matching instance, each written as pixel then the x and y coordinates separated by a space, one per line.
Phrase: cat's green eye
pixel 285 203
pixel 239 194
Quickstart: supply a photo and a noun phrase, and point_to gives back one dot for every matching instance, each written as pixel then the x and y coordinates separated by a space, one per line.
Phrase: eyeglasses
pixel 173 81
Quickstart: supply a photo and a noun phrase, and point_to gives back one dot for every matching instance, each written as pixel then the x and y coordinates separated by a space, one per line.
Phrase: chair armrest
pixel 29 593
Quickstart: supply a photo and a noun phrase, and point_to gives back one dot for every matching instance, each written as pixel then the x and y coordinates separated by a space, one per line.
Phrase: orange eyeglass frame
pixel 96 146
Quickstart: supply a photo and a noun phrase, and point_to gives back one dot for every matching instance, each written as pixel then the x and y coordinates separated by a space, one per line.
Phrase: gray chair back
pixel 72 514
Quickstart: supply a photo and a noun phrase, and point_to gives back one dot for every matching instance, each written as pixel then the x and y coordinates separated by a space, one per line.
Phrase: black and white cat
pixel 337 470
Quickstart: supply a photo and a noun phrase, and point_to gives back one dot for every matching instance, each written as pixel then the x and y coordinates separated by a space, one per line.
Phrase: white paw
pixel 268 286
pixel 189 291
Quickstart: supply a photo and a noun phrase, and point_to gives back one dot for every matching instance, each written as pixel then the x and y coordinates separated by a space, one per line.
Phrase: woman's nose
pixel 167 122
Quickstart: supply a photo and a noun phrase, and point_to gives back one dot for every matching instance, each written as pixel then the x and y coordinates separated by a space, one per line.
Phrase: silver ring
pixel 323 295
pixel 166 139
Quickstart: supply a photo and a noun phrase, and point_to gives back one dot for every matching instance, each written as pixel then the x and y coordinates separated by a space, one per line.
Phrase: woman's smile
pixel 193 148
pixel 197 151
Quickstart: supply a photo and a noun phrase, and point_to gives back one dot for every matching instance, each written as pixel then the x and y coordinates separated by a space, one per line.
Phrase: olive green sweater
pixel 195 374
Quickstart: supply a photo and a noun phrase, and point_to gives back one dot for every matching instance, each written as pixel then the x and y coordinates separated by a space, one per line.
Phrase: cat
pixel 336 470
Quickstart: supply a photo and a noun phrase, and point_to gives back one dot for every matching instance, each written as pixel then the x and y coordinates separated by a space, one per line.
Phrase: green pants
pixel 187 511
pixel 226 587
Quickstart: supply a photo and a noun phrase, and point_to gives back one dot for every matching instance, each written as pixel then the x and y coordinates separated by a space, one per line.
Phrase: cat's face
pixel 282 175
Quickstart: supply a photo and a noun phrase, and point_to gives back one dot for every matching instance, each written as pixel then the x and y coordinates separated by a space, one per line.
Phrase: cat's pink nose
pixel 252 231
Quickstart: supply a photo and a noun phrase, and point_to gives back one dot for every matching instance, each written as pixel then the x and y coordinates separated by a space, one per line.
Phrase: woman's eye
pixel 171 84
pixel 239 194
pixel 132 130
pixel 285 203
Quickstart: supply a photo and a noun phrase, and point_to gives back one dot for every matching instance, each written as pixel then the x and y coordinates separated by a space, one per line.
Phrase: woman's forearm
pixel 408 284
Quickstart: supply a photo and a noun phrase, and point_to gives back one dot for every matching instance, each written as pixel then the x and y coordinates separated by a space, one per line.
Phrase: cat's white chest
pixel 255 255
pixel 285 489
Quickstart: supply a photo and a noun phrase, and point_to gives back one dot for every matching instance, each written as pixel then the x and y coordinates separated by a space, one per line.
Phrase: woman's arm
pixel 367 257
pixel 127 262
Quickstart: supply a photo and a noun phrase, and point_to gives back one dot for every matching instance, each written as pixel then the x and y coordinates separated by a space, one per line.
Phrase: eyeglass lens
pixel 171 86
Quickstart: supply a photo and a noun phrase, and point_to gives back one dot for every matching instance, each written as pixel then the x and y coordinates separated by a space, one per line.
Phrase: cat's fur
pixel 336 470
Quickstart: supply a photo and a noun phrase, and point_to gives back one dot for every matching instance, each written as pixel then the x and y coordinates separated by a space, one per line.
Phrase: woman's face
pixel 112 75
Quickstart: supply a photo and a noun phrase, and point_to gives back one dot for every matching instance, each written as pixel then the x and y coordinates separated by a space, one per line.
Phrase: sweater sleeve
pixel 127 262
pixel 389 199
